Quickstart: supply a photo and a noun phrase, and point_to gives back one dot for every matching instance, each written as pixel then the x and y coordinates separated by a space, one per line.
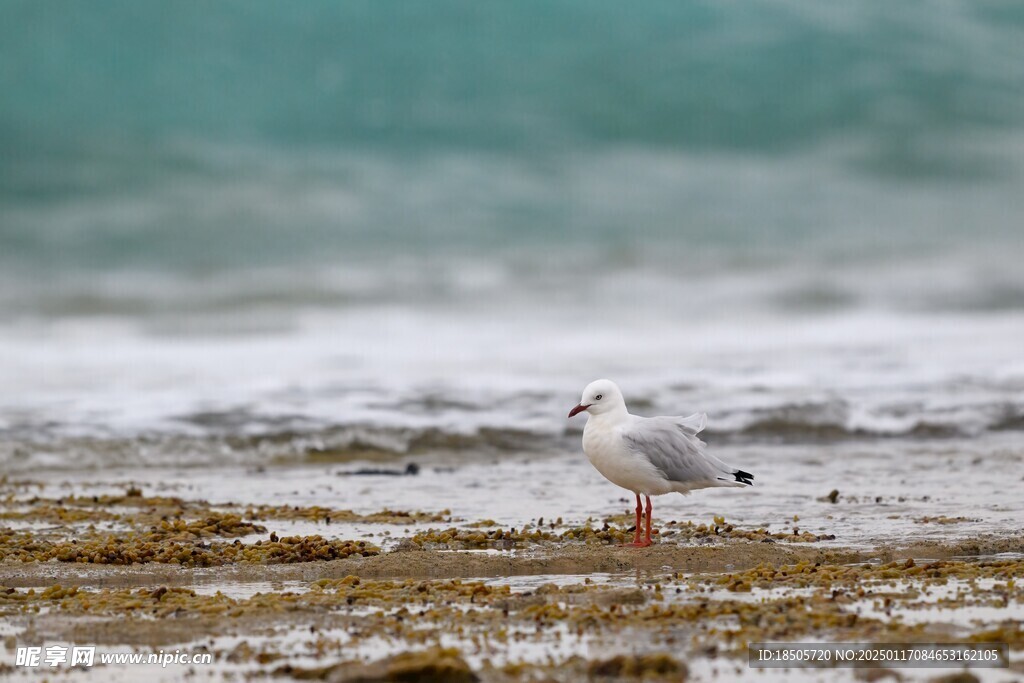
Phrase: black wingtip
pixel 744 477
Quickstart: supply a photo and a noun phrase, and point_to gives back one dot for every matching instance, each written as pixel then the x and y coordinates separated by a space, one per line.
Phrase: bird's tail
pixel 740 477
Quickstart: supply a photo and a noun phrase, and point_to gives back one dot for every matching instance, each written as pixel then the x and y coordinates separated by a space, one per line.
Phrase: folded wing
pixel 671 444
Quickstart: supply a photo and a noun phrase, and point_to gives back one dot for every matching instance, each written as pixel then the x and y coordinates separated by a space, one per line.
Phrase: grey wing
pixel 692 423
pixel 673 447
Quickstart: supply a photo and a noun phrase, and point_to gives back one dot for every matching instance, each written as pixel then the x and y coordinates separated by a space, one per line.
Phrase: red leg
pixel 636 529
pixel 638 542
pixel 639 510
pixel 650 507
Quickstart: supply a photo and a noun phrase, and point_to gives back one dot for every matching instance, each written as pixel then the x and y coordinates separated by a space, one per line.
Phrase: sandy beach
pixel 377 593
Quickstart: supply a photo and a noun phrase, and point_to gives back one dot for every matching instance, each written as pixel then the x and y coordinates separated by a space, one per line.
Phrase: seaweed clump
pixel 638 666
pixel 437 665
pixel 115 550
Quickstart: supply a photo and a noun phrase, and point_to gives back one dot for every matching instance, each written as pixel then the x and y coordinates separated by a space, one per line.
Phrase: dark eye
pixel 598 397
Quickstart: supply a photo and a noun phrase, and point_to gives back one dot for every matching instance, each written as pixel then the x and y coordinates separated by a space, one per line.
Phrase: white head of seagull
pixel 651 456
pixel 601 396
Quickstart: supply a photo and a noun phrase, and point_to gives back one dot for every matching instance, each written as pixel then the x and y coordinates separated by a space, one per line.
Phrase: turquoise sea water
pixel 365 220
pixel 192 135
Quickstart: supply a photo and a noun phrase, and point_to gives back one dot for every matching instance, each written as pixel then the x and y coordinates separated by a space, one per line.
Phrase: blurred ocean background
pixel 252 231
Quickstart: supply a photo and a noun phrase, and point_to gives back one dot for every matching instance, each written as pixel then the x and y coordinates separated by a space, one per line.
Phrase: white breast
pixel 609 455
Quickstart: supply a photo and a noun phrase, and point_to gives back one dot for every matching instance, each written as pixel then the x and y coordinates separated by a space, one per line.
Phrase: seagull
pixel 648 455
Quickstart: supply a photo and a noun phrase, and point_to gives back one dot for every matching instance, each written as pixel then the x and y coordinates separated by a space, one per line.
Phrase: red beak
pixel 577 410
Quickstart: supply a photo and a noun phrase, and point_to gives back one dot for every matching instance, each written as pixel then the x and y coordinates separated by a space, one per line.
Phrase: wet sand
pixel 430 595
pixel 549 559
